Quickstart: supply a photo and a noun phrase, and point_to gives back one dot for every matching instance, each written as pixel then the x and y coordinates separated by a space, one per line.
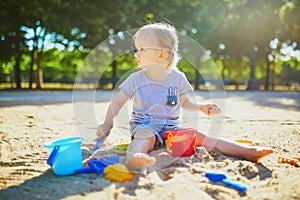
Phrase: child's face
pixel 148 53
pixel 145 56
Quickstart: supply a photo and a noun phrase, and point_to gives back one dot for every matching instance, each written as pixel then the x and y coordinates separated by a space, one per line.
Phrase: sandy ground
pixel 29 119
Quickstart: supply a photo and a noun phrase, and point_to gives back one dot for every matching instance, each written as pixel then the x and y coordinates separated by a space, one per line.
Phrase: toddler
pixel 159 91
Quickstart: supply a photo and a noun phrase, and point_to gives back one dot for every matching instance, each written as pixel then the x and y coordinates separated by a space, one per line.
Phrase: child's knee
pixel 144 137
pixel 144 134
pixel 199 138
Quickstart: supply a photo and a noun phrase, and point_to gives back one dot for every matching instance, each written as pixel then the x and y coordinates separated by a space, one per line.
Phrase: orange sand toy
pixel 118 173
pixel 296 157
pixel 169 139
pixel 247 142
pixel 292 161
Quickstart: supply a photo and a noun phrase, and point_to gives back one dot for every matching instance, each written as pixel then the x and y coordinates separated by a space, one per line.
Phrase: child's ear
pixel 163 55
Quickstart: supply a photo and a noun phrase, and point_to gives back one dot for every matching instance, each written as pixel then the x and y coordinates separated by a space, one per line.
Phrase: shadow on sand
pixel 49 97
pixel 49 184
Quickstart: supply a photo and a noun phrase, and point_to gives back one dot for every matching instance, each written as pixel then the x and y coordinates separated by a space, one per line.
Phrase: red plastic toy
pixel 181 142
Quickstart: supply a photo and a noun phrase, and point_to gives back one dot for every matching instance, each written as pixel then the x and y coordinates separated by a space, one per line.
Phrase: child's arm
pixel 115 106
pixel 208 109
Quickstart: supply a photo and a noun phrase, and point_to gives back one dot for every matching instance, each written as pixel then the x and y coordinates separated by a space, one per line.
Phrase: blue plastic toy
pixel 219 177
pixel 99 165
pixel 97 145
pixel 65 155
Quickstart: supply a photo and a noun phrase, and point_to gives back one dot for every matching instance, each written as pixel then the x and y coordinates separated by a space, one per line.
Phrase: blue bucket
pixel 65 155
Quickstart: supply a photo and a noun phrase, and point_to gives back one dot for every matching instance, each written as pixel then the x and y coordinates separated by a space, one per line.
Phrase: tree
pixel 236 32
pixel 12 42
pixel 19 19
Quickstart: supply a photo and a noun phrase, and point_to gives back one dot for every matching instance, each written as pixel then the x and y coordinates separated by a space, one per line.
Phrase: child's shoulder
pixel 136 74
pixel 177 72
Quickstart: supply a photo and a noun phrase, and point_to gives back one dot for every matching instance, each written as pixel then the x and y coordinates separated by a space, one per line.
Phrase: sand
pixel 29 119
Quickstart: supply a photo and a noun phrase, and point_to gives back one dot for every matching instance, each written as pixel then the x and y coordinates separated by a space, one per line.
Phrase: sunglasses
pixel 143 49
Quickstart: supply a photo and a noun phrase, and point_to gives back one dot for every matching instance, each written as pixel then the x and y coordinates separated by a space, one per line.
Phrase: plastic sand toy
pixel 117 173
pixel 219 177
pixel 120 149
pixel 98 144
pixel 246 142
pixel 296 157
pixel 181 142
pixel 110 167
pixel 98 165
pixel 169 137
pixel 292 161
pixel 65 155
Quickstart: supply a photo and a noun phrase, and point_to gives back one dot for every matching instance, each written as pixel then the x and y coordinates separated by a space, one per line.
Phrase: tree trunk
pixel 267 73
pixel 197 73
pixel 35 43
pixel 114 67
pixel 252 83
pixel 238 79
pixel 17 69
pixel 273 76
pixel 223 69
pixel 96 63
pixel 39 71
pixel 31 69
pixel 17 72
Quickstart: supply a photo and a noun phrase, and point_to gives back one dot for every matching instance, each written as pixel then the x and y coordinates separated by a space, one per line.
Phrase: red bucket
pixel 181 142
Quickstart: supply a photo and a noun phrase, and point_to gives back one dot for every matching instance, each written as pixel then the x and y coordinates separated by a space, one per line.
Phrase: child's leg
pixel 143 142
pixel 251 153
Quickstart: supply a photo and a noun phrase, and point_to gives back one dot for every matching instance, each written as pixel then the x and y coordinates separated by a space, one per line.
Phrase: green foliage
pixel 238 33
pixel 187 68
pixel 61 66
pixel 6 70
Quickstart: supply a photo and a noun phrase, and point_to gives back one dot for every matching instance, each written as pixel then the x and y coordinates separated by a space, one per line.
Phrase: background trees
pixel 253 42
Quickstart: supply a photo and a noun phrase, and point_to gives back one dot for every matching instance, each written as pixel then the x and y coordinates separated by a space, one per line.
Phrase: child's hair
pixel 165 37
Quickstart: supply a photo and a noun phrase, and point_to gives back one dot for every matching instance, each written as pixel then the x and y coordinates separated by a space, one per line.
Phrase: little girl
pixel 159 90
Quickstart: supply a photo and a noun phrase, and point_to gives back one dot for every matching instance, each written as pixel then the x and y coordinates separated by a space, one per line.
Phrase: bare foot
pixel 255 153
pixel 139 160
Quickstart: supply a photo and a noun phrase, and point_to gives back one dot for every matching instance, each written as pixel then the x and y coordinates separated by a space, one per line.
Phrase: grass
pixel 56 86
pixel 70 86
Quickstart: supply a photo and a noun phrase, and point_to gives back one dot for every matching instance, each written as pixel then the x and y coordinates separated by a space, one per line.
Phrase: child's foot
pixel 139 160
pixel 255 153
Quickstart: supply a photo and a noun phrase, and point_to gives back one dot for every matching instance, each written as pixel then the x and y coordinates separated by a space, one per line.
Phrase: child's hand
pixel 210 109
pixel 103 131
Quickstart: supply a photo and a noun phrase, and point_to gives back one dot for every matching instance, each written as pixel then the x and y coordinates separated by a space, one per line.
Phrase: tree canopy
pixel 252 42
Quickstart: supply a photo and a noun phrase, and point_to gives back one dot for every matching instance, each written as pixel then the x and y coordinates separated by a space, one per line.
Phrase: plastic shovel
pixel 219 177
pixel 97 145
pixel 99 165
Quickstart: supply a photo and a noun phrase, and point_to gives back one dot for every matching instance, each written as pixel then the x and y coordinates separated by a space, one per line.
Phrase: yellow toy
pixel 246 142
pixel 292 161
pixel 117 173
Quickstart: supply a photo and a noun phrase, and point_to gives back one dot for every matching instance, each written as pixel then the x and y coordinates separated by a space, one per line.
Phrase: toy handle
pixel 234 185
pixel 85 170
pixel 97 145
pixel 50 160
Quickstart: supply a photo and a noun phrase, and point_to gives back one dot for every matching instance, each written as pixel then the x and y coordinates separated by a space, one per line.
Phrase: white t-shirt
pixel 152 98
